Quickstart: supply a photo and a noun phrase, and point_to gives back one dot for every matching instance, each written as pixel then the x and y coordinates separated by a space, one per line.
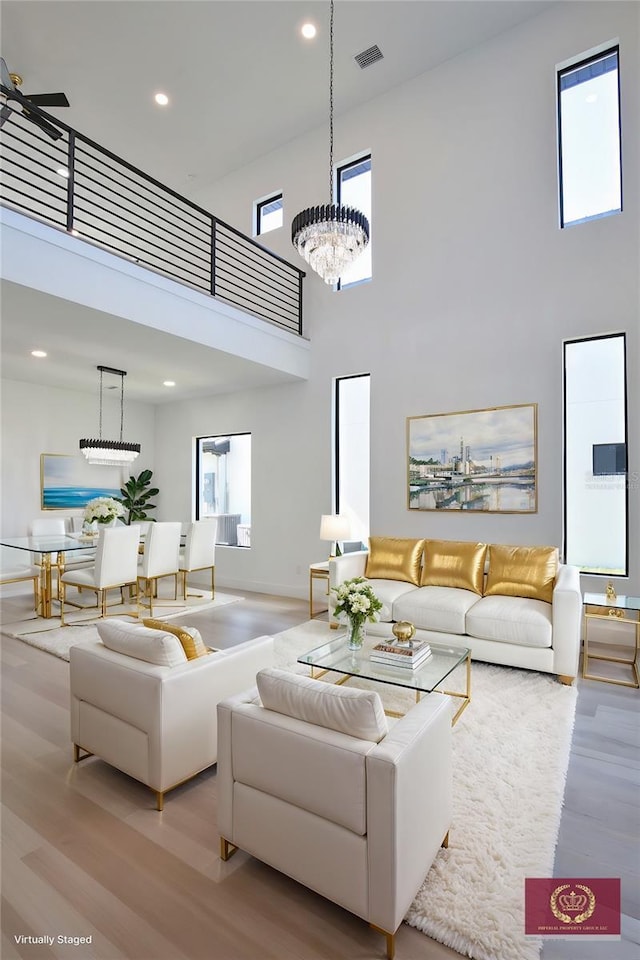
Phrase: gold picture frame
pixel 484 461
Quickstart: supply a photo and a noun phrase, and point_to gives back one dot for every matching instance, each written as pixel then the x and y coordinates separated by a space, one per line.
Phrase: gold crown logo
pixel 581 905
pixel 572 901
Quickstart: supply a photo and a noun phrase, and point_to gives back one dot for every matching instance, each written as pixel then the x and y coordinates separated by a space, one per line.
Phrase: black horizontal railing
pixel 81 187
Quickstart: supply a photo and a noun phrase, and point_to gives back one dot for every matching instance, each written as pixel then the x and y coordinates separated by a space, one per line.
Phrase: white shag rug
pixel 48 635
pixel 510 756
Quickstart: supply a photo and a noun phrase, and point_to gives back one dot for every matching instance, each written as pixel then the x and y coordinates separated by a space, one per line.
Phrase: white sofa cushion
pixel 143 643
pixel 436 608
pixel 388 592
pixel 511 620
pixel 358 713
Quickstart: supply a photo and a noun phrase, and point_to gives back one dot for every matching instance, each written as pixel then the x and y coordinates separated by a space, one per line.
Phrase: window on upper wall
pixel 269 214
pixel 353 183
pixel 590 160
pixel 223 486
pixel 596 494
pixel 351 456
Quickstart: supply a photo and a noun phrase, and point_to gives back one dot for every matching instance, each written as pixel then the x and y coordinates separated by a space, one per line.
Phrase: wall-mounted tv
pixel 609 459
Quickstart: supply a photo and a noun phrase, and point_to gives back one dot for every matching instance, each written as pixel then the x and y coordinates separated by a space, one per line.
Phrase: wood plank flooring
pixel 86 854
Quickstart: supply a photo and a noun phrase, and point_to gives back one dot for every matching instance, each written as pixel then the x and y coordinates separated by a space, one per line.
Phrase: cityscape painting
pixel 480 460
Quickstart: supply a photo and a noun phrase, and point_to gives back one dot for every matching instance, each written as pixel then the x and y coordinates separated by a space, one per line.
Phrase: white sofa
pixel 515 631
pixel 150 711
pixel 315 781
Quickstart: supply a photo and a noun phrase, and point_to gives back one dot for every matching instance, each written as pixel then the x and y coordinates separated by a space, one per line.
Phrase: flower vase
pixel 355 635
pixel 90 528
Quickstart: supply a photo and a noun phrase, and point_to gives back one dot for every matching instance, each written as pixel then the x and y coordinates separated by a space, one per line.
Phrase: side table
pixel 318 571
pixel 626 609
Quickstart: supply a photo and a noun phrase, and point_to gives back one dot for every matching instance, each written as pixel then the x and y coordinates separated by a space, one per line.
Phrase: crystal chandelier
pixel 331 236
pixel 113 453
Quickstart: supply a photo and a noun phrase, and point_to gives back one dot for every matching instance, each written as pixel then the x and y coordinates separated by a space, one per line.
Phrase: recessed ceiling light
pixel 308 31
pixel 38 353
pixel 161 99
pixel 168 383
pixel 63 172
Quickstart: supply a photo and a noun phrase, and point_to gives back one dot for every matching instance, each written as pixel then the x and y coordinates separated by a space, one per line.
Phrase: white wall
pixel 474 289
pixel 38 419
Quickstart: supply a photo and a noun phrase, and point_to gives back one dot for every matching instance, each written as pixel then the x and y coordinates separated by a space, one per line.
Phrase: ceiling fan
pixel 11 81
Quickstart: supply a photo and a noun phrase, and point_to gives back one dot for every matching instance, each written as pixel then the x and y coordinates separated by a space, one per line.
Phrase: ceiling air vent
pixel 369 56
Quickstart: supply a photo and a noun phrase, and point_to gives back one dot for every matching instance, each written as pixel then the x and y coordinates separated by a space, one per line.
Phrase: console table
pixel 597 606
pixel 317 571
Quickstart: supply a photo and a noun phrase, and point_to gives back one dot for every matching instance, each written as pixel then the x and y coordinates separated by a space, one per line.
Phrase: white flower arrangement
pixel 357 601
pixel 103 509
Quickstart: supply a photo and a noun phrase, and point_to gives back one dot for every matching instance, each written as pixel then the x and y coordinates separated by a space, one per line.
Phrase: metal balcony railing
pixel 78 186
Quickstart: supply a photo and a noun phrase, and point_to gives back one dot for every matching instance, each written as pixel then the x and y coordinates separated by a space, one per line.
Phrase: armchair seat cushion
pixel 443 609
pixel 511 620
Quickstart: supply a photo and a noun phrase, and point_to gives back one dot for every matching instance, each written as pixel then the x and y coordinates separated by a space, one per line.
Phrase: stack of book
pixel 401 655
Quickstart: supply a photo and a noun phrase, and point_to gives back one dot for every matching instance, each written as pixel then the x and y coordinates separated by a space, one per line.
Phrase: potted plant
pixel 136 494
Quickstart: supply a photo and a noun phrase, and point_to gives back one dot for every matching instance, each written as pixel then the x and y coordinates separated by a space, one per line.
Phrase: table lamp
pixel 334 527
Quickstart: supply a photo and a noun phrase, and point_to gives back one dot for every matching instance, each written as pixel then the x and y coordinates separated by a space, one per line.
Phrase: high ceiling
pixel 240 78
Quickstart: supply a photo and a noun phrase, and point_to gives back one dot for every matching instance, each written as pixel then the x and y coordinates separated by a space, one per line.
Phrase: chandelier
pixel 113 453
pixel 331 236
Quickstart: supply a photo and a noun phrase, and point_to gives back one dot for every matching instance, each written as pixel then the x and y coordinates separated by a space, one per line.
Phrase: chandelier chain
pixel 331 104
pixel 121 404
pixel 100 418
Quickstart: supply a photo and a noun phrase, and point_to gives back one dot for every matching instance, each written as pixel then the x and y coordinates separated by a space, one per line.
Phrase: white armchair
pixel 356 816
pixel 151 712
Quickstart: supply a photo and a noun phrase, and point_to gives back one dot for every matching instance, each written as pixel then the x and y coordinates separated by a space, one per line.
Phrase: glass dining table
pixel 52 548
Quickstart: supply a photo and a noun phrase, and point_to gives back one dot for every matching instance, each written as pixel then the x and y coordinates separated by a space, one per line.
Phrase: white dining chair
pixel 199 552
pixel 160 559
pixel 116 566
pixel 20 574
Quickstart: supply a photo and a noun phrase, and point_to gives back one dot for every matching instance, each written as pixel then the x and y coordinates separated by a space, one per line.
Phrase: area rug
pixel 48 635
pixel 510 756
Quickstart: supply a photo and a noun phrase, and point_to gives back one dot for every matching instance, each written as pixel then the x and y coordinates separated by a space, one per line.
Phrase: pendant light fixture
pixel 332 236
pixel 113 453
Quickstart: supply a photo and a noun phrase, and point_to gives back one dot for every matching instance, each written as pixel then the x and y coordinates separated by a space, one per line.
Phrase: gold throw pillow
pixel 193 646
pixel 454 563
pixel 522 572
pixel 391 558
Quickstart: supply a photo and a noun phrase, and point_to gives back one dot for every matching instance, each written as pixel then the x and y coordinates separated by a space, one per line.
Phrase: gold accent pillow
pixel 454 563
pixel 391 558
pixel 522 572
pixel 192 643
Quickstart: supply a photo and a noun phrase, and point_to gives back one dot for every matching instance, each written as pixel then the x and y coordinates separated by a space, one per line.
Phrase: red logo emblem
pixel 563 909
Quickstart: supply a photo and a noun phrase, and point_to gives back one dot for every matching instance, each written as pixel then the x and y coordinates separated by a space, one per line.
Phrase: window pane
pixel 270 215
pixel 354 190
pixel 352 453
pixel 596 498
pixel 224 486
pixel 590 140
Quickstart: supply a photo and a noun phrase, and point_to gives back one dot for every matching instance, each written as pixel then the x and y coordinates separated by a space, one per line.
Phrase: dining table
pixel 52 549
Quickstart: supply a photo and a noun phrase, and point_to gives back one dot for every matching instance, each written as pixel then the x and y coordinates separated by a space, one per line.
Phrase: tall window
pixel 351 460
pixel 269 214
pixel 595 455
pixel 223 486
pixel 354 190
pixel 589 139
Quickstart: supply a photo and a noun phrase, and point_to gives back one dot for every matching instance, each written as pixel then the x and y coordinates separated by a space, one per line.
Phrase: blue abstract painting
pixel 68 482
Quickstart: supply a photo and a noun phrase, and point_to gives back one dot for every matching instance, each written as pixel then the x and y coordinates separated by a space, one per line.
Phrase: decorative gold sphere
pixel 403 630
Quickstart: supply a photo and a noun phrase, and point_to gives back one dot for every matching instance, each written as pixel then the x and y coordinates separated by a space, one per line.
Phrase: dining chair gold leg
pixel 62 590
pixel 213 572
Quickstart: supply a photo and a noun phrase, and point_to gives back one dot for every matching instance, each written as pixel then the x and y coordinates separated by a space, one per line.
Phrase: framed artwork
pixel 68 483
pixel 480 460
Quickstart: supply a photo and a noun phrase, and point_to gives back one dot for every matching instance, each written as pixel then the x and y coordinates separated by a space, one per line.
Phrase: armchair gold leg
pixel 227 849
pixel 389 937
pixel 445 842
pixel 159 800
pixel 568 681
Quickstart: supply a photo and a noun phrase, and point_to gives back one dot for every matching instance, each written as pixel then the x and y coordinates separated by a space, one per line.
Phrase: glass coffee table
pixel 335 657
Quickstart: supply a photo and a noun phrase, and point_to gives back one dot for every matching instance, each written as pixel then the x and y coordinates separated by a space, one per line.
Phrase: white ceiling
pixel 241 81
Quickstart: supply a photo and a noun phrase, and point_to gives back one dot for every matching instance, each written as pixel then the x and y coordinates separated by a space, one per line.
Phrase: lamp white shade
pixel 334 526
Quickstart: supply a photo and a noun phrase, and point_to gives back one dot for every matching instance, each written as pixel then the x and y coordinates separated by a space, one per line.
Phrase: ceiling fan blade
pixel 5 76
pixel 48 128
pixel 48 99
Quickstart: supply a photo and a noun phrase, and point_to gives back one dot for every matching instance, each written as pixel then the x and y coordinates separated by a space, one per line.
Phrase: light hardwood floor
pixel 85 852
